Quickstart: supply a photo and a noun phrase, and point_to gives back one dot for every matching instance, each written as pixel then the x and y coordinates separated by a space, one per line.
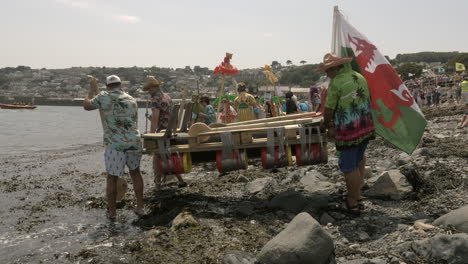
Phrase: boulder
pixel 303 241
pixel 457 218
pixel 314 181
pixel 357 261
pixel 290 201
pixel 390 185
pixel 238 257
pixel 260 185
pixel 403 159
pixel 184 219
pixel 326 218
pixel 443 248
pixel 420 152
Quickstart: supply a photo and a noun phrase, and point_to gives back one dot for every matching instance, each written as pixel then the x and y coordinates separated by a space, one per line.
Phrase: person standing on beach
pixel 119 114
pixel 464 101
pixel 348 118
pixel 161 106
pixel 244 104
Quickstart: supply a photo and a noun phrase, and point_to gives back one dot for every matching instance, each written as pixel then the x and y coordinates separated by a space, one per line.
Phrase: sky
pixel 179 33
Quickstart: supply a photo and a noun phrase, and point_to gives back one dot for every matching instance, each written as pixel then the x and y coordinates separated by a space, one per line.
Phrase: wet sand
pixel 52 206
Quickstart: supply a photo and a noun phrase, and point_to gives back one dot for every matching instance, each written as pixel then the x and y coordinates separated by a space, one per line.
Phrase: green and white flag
pixel 397 117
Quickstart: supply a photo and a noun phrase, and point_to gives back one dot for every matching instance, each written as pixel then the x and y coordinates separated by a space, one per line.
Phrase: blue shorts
pixel 350 159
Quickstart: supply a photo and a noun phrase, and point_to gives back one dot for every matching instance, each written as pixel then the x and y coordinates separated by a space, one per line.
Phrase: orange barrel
pixel 270 162
pixel 175 164
pixel 316 154
pixel 234 162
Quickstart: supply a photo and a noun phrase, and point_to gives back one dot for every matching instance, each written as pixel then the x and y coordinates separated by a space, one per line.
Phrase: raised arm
pixel 91 93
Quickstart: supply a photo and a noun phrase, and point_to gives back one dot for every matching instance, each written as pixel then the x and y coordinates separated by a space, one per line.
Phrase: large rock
pixel 403 159
pixel 390 185
pixel 420 152
pixel 289 200
pixel 314 181
pixel 457 218
pixel 260 185
pixel 303 241
pixel 238 257
pixel 452 249
pixel 182 220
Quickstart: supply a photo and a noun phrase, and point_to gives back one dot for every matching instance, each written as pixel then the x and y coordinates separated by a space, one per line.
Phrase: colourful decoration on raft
pixel 269 75
pixel 226 67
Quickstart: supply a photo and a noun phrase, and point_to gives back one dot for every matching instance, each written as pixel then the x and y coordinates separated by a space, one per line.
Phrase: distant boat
pixel 17 106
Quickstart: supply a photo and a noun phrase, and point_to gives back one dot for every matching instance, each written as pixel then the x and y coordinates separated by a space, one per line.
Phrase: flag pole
pixel 334 28
pixel 221 91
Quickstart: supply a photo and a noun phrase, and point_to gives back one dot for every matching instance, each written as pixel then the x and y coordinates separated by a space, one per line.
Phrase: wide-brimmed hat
pixel 330 60
pixel 152 82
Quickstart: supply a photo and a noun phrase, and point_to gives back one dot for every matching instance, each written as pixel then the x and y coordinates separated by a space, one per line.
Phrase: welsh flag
pixel 397 117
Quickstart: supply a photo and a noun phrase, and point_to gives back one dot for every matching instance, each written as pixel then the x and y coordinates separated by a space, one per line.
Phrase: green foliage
pixel 461 58
pixel 303 76
pixel 275 65
pixel 289 62
pixel 428 57
pixel 406 68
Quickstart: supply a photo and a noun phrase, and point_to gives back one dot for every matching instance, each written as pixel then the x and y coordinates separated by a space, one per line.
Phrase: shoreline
pixel 52 205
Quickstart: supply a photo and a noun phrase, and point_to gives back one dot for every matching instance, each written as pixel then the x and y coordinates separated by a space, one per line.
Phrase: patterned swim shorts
pixel 116 160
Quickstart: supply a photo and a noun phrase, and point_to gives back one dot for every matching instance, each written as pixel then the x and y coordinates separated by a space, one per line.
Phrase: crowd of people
pixel 351 132
pixel 436 90
pixel 246 106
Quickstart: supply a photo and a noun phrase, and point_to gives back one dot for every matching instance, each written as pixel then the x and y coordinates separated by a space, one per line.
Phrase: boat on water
pixel 17 106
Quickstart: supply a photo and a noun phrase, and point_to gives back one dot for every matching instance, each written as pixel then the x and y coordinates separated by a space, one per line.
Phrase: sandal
pixel 111 217
pixel 139 212
pixel 347 209
pixel 360 201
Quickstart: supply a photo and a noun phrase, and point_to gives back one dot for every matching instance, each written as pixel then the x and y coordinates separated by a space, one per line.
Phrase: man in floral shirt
pixel 161 106
pixel 348 118
pixel 119 114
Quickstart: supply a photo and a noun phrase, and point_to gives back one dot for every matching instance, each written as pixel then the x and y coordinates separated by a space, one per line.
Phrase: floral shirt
pixel 211 114
pixel 349 97
pixel 163 102
pixel 120 118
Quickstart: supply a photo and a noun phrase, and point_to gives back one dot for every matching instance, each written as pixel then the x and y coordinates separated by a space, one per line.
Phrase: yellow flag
pixel 459 66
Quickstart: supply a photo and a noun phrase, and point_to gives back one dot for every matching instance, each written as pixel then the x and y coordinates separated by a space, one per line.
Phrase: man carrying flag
pixel 397 117
pixel 348 118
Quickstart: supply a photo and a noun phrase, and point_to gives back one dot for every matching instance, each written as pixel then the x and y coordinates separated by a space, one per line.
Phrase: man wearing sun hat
pixel 348 118
pixel 119 114
pixel 161 107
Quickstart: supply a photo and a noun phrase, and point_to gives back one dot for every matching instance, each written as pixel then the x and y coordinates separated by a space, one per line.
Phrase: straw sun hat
pixel 152 82
pixel 330 60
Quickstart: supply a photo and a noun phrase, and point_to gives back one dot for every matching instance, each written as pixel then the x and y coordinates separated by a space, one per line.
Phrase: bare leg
pixel 353 184
pixel 181 181
pixel 138 187
pixel 111 191
pixel 157 173
pixel 362 170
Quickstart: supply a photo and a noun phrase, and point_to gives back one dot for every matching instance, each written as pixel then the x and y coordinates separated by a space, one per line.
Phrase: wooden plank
pixel 274 119
pixel 217 146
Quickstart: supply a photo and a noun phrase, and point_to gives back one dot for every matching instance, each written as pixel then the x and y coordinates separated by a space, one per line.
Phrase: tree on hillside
pixel 462 58
pixel 289 62
pixel 275 64
pixel 427 56
pixel 303 62
pixel 303 76
pixel 405 69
